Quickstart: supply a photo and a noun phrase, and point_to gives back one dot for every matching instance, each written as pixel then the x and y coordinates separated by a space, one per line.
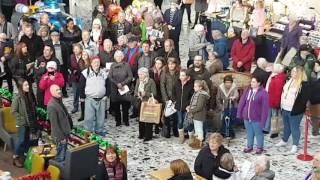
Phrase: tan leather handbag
pixel 187 1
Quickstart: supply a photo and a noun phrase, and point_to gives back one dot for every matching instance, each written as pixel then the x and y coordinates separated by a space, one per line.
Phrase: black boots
pixel 82 111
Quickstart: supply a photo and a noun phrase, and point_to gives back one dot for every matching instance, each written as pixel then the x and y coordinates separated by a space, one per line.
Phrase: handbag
pixel 150 111
pixel 169 109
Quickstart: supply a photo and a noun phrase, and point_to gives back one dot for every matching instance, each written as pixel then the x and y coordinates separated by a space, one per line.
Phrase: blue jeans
pixel 198 128
pixel 61 148
pixel 291 126
pixel 94 115
pixel 76 95
pixel 22 145
pixel 181 117
pixel 253 129
pixel 272 113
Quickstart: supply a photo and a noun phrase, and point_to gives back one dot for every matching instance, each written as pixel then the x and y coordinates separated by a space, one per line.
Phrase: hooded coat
pixel 198 106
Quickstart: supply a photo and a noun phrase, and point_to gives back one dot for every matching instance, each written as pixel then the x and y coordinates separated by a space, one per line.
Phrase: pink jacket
pixel 45 84
pixel 258 20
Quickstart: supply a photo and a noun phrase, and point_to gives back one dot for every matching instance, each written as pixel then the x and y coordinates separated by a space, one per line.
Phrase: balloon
pixel 21 8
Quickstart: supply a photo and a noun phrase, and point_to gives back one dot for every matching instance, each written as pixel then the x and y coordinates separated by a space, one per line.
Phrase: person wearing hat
pixel 52 76
pixel 71 34
pixel 132 51
pixel 92 85
pixel 40 68
pixel 303 58
pixel 173 18
pixel 98 33
pixel 62 54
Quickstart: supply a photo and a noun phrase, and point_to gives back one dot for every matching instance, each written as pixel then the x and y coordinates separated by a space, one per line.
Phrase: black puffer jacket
pixel 207 164
pixel 182 95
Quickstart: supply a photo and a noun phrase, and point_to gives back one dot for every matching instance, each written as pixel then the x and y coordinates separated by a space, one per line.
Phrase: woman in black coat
pixel 180 170
pixel 208 160
pixel 120 75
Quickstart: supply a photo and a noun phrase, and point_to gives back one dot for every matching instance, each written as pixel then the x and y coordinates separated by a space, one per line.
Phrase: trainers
pixel 259 151
pixel 248 150
pixel 281 143
pixel 294 149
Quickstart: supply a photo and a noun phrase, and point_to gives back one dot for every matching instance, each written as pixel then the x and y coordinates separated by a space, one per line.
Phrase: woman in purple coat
pixel 253 109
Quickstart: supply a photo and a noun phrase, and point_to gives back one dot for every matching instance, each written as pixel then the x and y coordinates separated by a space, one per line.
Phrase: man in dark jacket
pixel 34 43
pixel 61 53
pixel 123 27
pixel 173 18
pixel 40 69
pixel 106 56
pixel 61 122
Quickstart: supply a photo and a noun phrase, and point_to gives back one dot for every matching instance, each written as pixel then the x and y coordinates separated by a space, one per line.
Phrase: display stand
pixel 305 156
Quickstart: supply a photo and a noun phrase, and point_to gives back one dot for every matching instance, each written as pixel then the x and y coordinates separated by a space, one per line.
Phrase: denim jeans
pixel 94 115
pixel 272 113
pixel 291 126
pixel 253 129
pixel 61 148
pixel 76 95
pixel 181 117
pixel 198 129
pixel 22 145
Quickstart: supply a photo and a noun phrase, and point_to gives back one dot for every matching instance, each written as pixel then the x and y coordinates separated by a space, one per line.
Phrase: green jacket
pixel 198 106
pixel 149 88
pixel 19 110
pixel 143 30
pixel 307 63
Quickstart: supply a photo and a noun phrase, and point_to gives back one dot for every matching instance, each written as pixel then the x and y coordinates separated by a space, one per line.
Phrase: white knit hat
pixel 51 64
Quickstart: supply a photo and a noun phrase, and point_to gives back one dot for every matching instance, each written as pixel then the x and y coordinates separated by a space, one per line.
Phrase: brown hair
pixel 203 85
pixel 113 150
pixel 179 167
pixel 216 137
pixel 171 42
pixel 19 47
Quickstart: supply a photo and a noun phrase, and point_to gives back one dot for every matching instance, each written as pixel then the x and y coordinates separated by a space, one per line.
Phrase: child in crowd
pixel 197 112
pixel 227 98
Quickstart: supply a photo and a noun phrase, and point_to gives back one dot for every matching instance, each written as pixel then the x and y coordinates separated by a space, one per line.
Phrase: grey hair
pixel 264 162
pixel 144 71
pixel 216 34
pixel 107 40
pixel 118 52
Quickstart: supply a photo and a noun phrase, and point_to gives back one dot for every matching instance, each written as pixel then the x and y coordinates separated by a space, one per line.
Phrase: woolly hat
pixel 51 64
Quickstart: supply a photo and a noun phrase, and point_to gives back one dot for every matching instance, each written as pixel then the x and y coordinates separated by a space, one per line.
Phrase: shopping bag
pixel 28 161
pixel 169 109
pixel 150 111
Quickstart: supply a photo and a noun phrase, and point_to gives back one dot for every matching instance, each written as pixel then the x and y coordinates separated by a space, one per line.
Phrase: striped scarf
pixel 114 170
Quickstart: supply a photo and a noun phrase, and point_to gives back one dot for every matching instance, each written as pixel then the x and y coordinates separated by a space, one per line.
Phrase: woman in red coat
pixel 52 76
pixel 274 87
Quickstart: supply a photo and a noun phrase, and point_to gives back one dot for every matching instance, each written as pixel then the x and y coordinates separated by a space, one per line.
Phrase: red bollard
pixel 305 156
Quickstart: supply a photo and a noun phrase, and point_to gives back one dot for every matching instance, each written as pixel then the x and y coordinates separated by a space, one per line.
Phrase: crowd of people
pixel 128 61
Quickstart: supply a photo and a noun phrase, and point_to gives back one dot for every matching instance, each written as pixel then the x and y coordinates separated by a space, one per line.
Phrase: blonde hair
pixel 227 161
pixel 216 137
pixel 301 76
pixel 179 167
pixel 203 85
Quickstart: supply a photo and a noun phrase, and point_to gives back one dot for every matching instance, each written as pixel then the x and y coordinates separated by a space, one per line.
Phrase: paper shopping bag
pixel 150 112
